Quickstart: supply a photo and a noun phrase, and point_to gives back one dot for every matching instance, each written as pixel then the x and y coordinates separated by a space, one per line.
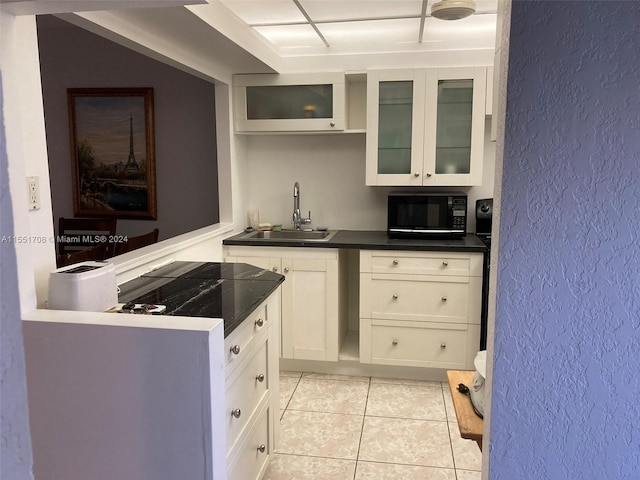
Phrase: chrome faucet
pixel 297 217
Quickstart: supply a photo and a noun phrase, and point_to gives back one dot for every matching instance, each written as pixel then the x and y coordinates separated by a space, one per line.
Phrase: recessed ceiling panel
pixel 265 12
pixel 291 36
pixel 366 34
pixel 476 31
pixel 333 10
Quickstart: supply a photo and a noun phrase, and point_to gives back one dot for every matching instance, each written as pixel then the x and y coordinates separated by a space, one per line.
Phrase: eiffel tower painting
pixel 113 152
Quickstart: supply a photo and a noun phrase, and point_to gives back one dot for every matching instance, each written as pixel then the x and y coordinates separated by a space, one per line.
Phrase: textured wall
pixel 566 391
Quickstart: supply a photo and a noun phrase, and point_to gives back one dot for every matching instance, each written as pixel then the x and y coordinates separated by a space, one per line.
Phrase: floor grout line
pixel 366 402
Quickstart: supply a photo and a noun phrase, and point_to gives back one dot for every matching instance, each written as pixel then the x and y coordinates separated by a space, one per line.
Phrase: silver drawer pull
pixel 236 413
pixel 394 342
pixel 417 174
pixel 395 297
pixel 260 322
pixel 395 262
pixel 262 447
pixel 260 378
pixel 274 269
pixel 444 299
pixel 445 263
pixel 286 270
pixel 443 346
pixel 235 349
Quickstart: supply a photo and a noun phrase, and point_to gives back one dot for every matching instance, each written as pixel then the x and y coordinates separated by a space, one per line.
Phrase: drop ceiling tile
pixel 265 12
pixel 291 36
pixel 333 10
pixel 367 34
pixel 476 31
pixel 490 6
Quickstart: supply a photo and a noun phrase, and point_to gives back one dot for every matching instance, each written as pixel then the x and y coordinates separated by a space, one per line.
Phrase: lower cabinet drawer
pixel 418 299
pixel 413 344
pixel 243 338
pixel 250 459
pixel 244 393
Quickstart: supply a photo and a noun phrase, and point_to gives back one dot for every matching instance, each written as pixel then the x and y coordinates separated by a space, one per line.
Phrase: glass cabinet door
pixel 269 102
pixel 395 127
pixel 294 102
pixel 453 133
pixel 395 107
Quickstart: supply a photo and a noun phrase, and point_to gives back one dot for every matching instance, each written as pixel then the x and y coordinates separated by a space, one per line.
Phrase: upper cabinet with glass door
pixel 435 136
pixel 395 127
pixel 289 103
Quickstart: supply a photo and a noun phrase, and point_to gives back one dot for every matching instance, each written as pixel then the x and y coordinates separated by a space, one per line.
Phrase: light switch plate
pixel 33 185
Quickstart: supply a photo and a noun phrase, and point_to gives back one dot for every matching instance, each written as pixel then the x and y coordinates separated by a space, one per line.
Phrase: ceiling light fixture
pixel 453 9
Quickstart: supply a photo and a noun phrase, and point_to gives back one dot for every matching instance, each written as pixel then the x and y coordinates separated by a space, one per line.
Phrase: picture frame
pixel 113 152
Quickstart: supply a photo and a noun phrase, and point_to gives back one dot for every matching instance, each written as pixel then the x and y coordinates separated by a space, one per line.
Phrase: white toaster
pixel 84 286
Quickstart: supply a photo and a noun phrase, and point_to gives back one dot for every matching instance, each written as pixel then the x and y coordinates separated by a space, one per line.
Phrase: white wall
pixel 331 173
pixel 27 153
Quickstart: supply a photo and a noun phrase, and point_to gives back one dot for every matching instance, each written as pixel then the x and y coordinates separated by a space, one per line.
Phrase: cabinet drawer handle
pixel 235 349
pixel 428 174
pixel 395 262
pixel 260 322
pixel 286 270
pixel 444 299
pixel 333 124
pixel 445 263
pixel 262 447
pixel 236 413
pixel 274 269
pixel 395 297
pixel 443 346
pixel 417 174
pixel 260 378
pixel 394 342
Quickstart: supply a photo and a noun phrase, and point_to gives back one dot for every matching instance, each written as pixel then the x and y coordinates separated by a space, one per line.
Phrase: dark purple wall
pixel 185 143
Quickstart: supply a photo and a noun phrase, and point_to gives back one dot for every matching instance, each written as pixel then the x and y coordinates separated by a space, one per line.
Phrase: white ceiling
pixel 312 27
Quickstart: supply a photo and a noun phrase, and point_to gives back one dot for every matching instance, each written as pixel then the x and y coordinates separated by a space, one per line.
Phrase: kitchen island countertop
pixel 369 240
pixel 230 291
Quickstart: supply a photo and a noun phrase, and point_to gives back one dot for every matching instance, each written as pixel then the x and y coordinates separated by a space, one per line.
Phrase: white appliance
pixel 84 286
pixel 476 392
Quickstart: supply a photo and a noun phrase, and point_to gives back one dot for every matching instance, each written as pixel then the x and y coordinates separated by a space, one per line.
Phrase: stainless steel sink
pixel 292 235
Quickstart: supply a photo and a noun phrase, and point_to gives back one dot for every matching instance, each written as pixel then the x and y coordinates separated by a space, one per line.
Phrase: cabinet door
pixel 293 102
pixel 395 126
pixel 310 309
pixel 454 127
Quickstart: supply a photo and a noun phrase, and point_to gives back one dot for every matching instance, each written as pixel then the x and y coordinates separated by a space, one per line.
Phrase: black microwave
pixel 427 215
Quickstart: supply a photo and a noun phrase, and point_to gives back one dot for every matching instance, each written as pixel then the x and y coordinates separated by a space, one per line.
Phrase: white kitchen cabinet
pixel 310 328
pixel 289 102
pixel 252 393
pixel 425 127
pixel 420 309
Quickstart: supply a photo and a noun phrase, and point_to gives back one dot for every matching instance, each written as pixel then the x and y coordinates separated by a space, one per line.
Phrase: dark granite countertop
pixel 230 291
pixel 370 240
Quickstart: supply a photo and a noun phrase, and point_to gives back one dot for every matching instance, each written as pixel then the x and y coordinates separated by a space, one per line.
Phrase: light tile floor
pixel 356 428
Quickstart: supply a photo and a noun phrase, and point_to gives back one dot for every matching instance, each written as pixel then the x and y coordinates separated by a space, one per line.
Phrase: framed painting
pixel 112 152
